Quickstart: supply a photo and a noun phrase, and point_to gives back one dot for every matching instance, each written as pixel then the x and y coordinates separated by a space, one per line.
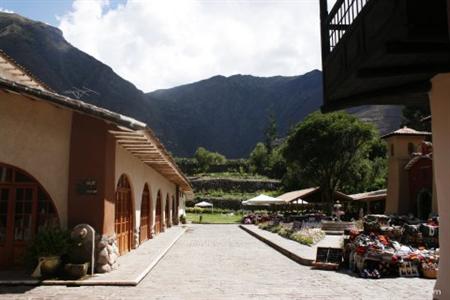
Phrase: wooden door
pixel 123 216
pixel 168 223
pixel 174 211
pixel 145 230
pixel 158 213
pixel 24 209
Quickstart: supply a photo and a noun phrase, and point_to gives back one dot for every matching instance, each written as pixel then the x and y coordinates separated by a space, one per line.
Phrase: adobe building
pixel 421 182
pixel 401 145
pixel 395 52
pixel 64 162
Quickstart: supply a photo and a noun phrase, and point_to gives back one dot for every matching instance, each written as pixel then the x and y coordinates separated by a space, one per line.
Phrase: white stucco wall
pixel 139 173
pixel 35 137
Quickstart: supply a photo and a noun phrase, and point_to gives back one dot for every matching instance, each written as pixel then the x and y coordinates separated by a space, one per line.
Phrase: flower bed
pixel 305 236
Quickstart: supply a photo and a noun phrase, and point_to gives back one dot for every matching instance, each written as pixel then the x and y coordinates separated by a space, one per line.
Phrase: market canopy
pixel 263 200
pixel 204 204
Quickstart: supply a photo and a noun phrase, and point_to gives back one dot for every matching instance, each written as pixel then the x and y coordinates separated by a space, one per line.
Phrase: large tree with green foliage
pixel 270 133
pixel 206 158
pixel 335 151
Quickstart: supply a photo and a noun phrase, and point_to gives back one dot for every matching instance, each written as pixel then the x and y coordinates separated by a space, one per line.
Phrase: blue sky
pixel 44 10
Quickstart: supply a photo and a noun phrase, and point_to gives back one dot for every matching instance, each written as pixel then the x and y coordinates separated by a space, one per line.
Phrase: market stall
pixel 386 250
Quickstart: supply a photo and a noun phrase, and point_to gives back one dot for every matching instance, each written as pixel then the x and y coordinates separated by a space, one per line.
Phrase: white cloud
pixel 6 10
pixel 164 43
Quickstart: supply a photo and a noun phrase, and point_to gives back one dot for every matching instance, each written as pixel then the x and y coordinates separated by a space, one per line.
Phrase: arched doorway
pixel 145 231
pixel 424 204
pixel 174 209
pixel 25 208
pixel 168 206
pixel 158 213
pixel 123 222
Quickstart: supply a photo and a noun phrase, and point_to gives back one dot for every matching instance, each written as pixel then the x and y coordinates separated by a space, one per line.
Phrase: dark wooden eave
pixel 385 53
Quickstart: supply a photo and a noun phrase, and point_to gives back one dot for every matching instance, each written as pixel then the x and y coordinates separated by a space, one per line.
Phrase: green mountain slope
pixel 224 114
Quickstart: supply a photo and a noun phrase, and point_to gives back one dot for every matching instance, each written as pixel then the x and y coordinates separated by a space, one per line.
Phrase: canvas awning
pixel 263 200
pixel 204 204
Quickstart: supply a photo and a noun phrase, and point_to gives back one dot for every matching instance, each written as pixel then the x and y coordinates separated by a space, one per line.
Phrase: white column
pixel 440 109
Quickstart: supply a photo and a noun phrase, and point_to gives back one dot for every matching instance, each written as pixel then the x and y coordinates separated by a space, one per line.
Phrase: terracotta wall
pixel 92 158
pixel 420 177
pixel 35 137
pixel 398 198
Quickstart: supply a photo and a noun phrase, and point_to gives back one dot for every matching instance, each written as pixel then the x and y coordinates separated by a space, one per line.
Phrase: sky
pixel 159 44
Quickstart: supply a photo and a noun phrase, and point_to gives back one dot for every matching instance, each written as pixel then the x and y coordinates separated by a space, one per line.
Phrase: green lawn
pixel 214 218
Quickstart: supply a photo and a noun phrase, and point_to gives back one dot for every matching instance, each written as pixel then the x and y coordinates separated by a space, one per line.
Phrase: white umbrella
pixel 204 204
pixel 299 201
pixel 263 200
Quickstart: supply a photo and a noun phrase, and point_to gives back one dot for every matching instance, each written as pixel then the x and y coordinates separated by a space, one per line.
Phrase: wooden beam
pixel 114 132
pixel 419 47
pixel 131 142
pixel 403 70
pixel 140 147
pixel 141 151
pixel 131 138
pixel 413 93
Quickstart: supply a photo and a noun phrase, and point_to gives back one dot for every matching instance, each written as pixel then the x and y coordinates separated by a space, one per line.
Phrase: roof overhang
pixel 131 134
pixel 145 146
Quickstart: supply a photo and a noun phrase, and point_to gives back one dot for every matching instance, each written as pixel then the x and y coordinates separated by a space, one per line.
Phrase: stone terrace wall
pixel 227 185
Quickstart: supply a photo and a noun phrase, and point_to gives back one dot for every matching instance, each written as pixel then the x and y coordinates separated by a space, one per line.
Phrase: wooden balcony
pixel 383 51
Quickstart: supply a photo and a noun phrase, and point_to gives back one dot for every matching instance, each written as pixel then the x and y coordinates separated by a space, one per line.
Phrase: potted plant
pixel 47 248
pixel 183 219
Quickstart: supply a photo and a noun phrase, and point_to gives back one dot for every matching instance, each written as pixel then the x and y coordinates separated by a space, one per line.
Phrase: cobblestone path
pixel 224 262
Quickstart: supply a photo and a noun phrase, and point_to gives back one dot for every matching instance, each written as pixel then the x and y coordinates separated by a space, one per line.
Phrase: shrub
pixel 285 232
pixel 275 228
pixel 302 239
pixel 308 236
pixel 48 242
pixel 264 225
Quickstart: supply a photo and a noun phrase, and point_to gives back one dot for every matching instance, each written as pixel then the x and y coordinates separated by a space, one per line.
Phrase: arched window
pixel 25 208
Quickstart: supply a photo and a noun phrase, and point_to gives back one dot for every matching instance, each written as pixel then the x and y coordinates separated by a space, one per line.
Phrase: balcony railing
pixel 336 23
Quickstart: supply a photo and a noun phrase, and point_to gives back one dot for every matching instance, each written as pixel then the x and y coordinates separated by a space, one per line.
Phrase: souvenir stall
pixel 386 250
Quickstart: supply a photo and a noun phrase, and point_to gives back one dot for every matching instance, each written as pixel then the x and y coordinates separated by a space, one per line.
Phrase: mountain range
pixel 223 114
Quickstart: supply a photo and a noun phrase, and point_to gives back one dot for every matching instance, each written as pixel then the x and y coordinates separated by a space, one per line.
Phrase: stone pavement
pixel 298 252
pixel 133 266
pixel 224 262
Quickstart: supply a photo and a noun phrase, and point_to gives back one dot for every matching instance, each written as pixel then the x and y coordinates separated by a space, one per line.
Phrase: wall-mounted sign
pixel 87 187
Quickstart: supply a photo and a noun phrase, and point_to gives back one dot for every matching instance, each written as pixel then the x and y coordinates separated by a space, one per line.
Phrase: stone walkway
pixel 224 262
pixel 133 267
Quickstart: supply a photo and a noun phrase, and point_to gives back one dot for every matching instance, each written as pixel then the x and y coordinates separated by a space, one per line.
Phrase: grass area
pixel 214 218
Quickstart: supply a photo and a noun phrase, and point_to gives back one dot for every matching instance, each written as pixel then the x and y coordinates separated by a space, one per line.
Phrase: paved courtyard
pixel 224 262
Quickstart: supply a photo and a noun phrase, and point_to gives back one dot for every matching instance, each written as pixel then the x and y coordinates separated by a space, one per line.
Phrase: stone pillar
pixel 440 109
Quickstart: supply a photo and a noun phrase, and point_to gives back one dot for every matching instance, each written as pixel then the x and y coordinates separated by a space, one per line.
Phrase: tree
pixel 270 133
pixel 413 115
pixel 258 159
pixel 206 158
pixel 331 151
